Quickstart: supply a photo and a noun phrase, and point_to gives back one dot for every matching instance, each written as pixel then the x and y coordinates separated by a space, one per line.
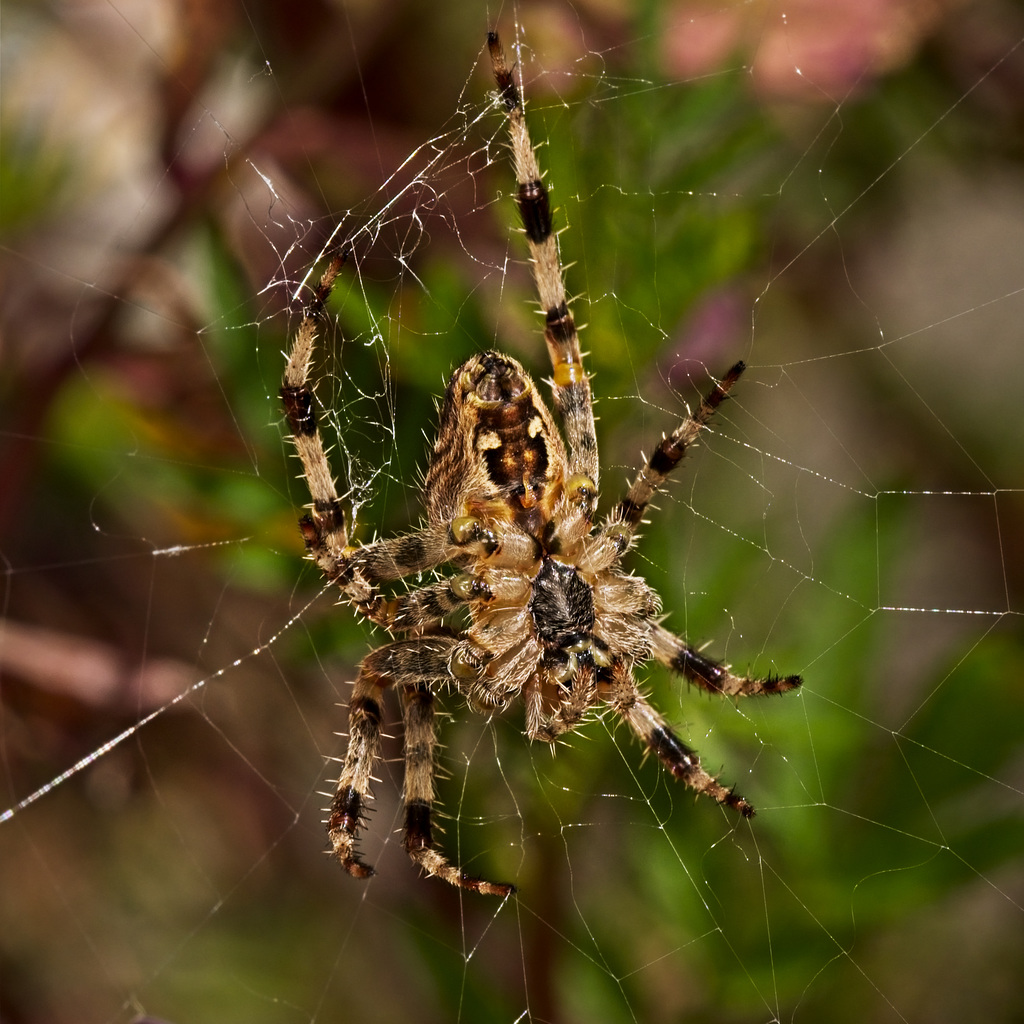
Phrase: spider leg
pixel 627 515
pixel 571 384
pixel 360 570
pixel 324 529
pixel 352 791
pixel 652 729
pixel 551 710
pixel 413 665
pixel 423 607
pixel 357 570
pixel 420 740
pixel 710 675
pixel 422 659
pixel 419 608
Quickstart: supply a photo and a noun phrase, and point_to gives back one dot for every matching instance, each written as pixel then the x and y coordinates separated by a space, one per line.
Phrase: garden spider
pixel 539 606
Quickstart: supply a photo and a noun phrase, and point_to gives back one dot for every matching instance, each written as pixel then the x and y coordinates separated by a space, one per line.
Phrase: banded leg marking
pixel 422 660
pixel 353 788
pixel 676 654
pixel 571 384
pixel 420 741
pixel 630 511
pixel 681 760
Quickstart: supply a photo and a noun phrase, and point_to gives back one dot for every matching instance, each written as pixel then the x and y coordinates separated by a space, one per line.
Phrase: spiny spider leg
pixel 630 511
pixel 359 571
pixel 571 383
pixel 323 530
pixel 352 792
pixel 655 733
pixel 711 675
pixel 413 665
pixel 420 740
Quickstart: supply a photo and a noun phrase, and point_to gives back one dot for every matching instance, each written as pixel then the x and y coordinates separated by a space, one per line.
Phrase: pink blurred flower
pixel 805 49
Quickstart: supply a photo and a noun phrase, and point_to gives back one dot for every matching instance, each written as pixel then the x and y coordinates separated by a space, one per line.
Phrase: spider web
pixel 172 671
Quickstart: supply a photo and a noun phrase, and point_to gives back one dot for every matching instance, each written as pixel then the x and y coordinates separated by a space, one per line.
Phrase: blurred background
pixel 833 192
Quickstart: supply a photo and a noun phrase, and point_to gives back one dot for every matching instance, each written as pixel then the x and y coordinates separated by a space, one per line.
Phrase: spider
pixel 536 605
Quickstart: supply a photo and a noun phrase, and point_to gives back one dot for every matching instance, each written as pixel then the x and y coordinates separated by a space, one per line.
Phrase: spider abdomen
pixel 498 453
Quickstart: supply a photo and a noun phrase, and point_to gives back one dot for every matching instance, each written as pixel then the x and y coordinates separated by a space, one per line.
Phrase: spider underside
pixel 510 505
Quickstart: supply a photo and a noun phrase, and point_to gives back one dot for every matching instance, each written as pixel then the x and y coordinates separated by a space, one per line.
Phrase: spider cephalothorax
pixel 536 605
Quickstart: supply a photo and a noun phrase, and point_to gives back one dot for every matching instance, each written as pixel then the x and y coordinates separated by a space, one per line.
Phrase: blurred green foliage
pixel 888 811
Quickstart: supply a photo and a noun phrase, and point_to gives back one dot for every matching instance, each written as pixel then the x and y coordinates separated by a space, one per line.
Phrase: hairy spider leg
pixel 571 383
pixel 420 740
pixel 710 675
pixel 359 571
pixel 324 529
pixel 629 512
pixel 413 665
pixel 654 732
